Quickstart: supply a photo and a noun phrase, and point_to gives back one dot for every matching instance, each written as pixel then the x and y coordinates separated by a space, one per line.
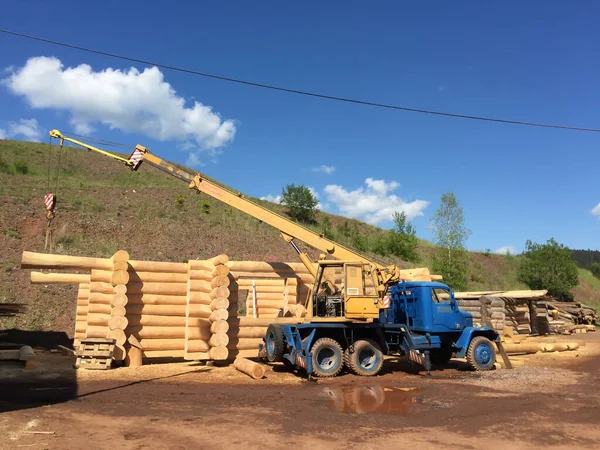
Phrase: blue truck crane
pixel 423 323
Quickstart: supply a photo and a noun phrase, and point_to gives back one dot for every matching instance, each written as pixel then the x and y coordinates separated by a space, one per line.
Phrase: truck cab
pixel 425 307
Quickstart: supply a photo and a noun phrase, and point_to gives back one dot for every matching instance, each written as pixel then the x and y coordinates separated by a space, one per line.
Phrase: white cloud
pixel 596 211
pixel 8 69
pixel 375 204
pixel 324 169
pixel 26 129
pixel 129 100
pixel 272 198
pixel 506 250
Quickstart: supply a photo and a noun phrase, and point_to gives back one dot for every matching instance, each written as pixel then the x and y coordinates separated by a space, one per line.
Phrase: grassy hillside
pixel 103 207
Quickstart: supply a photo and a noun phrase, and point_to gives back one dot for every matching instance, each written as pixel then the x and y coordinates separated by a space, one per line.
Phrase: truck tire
pixel 327 358
pixel 481 354
pixel 440 356
pixel 364 358
pixel 274 343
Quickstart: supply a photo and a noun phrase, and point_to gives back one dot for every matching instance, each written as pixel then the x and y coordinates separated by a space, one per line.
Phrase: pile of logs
pixel 486 311
pixel 572 312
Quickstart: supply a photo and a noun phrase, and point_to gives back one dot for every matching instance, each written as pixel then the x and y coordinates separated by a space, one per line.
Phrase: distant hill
pixel 103 207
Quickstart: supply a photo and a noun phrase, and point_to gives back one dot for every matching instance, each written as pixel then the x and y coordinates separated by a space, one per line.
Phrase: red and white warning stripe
pixel 49 202
pixel 136 158
pixel 387 301
pixel 415 356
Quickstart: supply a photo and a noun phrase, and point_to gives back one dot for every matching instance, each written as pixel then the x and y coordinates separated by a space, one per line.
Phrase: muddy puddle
pixel 372 399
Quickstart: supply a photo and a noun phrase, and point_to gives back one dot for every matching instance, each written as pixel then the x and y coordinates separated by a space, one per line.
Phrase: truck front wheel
pixel 481 354
pixel 364 358
pixel 327 358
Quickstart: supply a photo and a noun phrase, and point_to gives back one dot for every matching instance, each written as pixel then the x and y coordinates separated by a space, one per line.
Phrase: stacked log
pixel 83 298
pixel 207 309
pixel 117 323
pixel 486 311
pixel 517 314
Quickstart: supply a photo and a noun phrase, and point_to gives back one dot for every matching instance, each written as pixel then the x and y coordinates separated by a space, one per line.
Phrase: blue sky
pixel 535 61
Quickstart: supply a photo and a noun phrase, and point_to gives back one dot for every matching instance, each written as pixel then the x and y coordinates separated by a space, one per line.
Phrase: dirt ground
pixel 548 400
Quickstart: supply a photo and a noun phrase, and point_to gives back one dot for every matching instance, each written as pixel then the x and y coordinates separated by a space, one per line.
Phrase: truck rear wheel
pixel 481 354
pixel 327 358
pixel 364 358
pixel 274 343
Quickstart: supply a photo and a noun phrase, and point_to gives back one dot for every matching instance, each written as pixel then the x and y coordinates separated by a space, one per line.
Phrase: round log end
pixel 117 323
pixel 219 314
pixel 118 335
pixel 120 256
pixel 119 277
pixel 219 326
pixel 218 353
pixel 120 289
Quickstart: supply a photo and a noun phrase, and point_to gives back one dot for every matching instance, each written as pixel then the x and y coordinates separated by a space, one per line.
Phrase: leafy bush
pixel 179 202
pixel 301 202
pixel 205 207
pixel 548 266
pixel 402 239
pixel 21 167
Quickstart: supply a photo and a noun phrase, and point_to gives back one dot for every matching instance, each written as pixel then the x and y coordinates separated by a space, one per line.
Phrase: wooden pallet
pixel 95 353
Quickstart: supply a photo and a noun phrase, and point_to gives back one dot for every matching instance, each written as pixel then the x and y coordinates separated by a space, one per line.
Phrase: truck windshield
pixel 440 295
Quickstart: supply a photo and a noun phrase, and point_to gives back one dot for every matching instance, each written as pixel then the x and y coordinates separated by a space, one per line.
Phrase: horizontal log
pixel 247 332
pixel 81 311
pixel 80 326
pixel 199 286
pixel 153 266
pixel 199 298
pixel 31 260
pixel 99 308
pixel 149 320
pixel 204 275
pixel 197 345
pixel 268 304
pixel 102 287
pixel 155 310
pixel 196 264
pixel 261 310
pixel 140 299
pixel 274 300
pixel 98 318
pixel 204 311
pixel 163 353
pixel 244 343
pixel 59 278
pixel 521 348
pixel 164 344
pixel 141 277
pixel 157 288
pixel 196 356
pixel 250 368
pixel 218 339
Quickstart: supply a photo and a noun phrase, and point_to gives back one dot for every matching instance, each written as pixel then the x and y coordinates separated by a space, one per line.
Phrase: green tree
pixel 301 202
pixel 595 268
pixel 450 237
pixel 402 239
pixel 548 266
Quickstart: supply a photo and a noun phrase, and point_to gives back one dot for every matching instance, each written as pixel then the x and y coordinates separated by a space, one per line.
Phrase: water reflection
pixel 372 399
